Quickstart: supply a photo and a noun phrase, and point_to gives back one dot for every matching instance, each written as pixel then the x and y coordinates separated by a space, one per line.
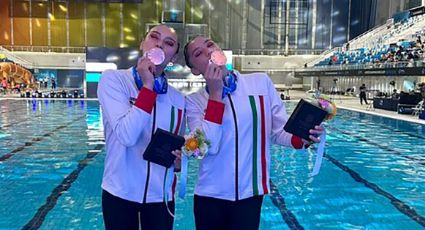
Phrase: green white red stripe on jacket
pixel 259 163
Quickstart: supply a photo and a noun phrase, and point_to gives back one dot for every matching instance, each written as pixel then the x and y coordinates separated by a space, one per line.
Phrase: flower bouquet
pixel 328 105
pixel 196 145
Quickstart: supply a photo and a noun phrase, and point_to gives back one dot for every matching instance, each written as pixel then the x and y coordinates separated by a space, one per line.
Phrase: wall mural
pixel 16 74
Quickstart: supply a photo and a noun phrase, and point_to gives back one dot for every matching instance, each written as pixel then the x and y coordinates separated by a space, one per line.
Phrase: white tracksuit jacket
pixel 241 131
pixel 129 117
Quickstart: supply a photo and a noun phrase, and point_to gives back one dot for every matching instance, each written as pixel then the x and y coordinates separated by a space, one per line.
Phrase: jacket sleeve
pixel 209 123
pixel 127 121
pixel 279 119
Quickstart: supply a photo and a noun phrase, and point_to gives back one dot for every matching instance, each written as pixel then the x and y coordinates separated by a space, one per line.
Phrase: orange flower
pixel 333 114
pixel 191 144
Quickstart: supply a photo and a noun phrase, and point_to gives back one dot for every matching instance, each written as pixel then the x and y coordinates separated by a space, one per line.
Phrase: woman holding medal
pixel 134 103
pixel 241 115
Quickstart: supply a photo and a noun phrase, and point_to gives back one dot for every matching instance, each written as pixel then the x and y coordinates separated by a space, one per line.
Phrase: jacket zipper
pixel 149 163
pixel 236 151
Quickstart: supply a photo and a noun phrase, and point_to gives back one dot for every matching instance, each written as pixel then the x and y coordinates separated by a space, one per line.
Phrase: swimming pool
pixel 373 174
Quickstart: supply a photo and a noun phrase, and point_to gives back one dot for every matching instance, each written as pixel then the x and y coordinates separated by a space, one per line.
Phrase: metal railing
pixel 323 55
pixel 15 58
pixel 401 64
pixel 47 49
pixel 272 52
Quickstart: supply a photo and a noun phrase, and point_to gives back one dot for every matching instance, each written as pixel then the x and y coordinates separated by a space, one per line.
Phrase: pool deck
pixel 353 103
pixel 344 102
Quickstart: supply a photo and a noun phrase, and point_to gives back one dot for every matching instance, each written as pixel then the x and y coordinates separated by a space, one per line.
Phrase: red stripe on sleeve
pixel 215 111
pixel 146 99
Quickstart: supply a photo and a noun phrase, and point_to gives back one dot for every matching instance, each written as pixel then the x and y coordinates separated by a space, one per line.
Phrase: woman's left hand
pixel 178 160
pixel 315 134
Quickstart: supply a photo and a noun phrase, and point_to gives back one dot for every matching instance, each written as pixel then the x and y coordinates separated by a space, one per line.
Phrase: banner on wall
pixel 70 78
pixel 411 71
pixel 46 74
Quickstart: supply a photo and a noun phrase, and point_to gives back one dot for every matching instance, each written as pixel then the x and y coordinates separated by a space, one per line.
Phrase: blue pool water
pixel 372 177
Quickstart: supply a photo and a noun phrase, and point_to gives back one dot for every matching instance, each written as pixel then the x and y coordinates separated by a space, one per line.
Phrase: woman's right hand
pixel 214 78
pixel 146 70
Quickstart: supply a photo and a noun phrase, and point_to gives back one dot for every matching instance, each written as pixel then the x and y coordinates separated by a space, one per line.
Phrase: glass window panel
pixel 59 10
pixel 76 24
pixel 298 22
pixel 39 9
pixel 21 34
pixel 339 23
pixel 323 24
pixel 58 24
pixel 235 25
pixel 39 32
pixel 304 32
pixel 198 13
pixel 5 32
pixel 113 27
pixel 188 12
pixel 39 23
pixel 149 13
pixel 20 8
pixel 412 4
pixel 94 24
pixel 131 25
pixel 292 29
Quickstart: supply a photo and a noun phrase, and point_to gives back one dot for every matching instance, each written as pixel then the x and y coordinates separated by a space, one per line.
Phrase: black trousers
pixel 123 214
pixel 363 97
pixel 214 214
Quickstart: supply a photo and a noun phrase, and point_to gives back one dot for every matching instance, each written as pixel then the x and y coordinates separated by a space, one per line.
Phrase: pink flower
pixel 324 104
pixel 196 152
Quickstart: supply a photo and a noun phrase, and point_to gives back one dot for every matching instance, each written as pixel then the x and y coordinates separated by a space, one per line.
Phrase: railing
pixel 235 51
pixel 47 49
pixel 16 59
pixel 366 66
pixel 277 52
pixel 323 55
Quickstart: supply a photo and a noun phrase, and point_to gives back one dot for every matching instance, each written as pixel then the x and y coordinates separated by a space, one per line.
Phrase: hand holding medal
pixel 155 55
pixel 218 58
pixel 146 68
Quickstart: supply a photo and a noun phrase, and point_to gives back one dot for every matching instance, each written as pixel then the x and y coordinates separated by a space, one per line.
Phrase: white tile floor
pixel 353 103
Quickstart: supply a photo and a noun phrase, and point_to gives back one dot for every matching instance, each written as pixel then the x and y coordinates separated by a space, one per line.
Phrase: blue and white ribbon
pixel 168 184
pixel 319 155
pixel 183 176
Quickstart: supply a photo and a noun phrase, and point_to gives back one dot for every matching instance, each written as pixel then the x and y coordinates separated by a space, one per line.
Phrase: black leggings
pixel 363 97
pixel 212 213
pixel 123 214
